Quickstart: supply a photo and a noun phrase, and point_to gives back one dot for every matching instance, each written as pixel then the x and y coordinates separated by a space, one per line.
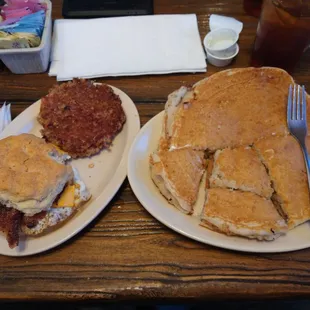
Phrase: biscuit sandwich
pixel 38 188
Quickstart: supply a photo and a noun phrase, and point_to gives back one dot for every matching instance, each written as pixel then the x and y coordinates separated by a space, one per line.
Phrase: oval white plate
pixel 139 177
pixel 103 180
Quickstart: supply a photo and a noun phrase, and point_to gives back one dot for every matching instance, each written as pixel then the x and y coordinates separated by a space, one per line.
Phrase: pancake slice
pixel 172 106
pixel 242 169
pixel 284 160
pixel 178 174
pixel 242 213
pixel 232 108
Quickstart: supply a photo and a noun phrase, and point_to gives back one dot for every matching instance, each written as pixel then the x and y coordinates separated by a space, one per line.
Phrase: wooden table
pixel 125 253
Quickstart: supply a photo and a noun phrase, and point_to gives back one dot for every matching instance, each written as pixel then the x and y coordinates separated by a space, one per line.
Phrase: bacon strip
pixel 32 221
pixel 10 221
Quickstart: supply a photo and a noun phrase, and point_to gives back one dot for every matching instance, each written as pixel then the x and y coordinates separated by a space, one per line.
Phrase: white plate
pixel 139 177
pixel 103 180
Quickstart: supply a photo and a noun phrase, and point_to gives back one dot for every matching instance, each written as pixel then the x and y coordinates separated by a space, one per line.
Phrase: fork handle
pixel 307 161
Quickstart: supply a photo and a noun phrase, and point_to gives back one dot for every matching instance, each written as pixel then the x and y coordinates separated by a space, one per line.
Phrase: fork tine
pixel 304 103
pixel 294 103
pixel 298 103
pixel 289 103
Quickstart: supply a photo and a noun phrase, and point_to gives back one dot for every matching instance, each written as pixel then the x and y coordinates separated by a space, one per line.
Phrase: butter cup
pixel 222 61
pixel 221 42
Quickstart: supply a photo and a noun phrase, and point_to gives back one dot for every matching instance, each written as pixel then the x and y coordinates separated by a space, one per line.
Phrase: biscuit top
pixel 32 173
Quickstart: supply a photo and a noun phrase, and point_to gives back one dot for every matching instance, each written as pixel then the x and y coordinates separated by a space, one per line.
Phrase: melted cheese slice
pixel 67 198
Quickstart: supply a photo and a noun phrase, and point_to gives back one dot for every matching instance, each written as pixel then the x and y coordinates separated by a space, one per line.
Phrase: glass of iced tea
pixel 283 33
pixel 252 7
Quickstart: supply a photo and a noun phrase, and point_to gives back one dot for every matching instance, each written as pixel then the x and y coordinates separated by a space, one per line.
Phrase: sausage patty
pixel 81 117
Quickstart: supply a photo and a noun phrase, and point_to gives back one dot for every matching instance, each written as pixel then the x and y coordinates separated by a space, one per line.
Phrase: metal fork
pixel 297 119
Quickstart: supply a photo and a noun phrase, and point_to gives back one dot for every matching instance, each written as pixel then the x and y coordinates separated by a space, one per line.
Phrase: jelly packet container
pixel 25 46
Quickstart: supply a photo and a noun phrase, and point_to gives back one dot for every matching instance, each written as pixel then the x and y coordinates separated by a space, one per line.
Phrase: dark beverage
pixel 283 34
pixel 252 7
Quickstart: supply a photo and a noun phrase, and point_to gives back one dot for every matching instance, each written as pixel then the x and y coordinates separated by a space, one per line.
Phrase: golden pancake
pixel 284 160
pixel 177 174
pixel 256 180
pixel 232 108
pixel 242 213
pixel 242 169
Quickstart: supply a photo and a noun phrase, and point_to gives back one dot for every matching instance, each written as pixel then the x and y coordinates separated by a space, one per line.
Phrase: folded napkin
pixel 220 21
pixel 133 45
pixel 5 116
pixel 57 43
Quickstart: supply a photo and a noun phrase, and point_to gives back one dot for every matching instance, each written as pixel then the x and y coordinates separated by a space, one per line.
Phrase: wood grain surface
pixel 125 253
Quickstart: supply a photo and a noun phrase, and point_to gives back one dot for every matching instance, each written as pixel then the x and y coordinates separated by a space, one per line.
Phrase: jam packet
pixel 21 24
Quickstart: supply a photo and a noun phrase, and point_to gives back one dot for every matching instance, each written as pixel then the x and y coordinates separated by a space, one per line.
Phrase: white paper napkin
pixel 59 25
pixel 220 21
pixel 157 44
pixel 5 116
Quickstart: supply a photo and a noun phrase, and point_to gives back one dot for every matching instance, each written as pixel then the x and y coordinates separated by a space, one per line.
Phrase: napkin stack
pixel 5 116
pixel 133 45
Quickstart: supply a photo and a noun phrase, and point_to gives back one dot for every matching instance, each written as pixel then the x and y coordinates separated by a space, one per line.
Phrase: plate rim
pixel 111 188
pixel 165 222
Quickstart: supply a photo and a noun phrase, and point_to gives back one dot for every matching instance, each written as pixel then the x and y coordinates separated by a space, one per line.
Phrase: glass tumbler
pixel 283 33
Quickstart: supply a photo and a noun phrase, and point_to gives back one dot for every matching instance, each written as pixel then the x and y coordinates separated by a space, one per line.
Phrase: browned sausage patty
pixel 80 117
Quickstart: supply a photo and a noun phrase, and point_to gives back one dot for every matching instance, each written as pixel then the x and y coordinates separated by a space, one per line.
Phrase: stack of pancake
pixel 232 128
